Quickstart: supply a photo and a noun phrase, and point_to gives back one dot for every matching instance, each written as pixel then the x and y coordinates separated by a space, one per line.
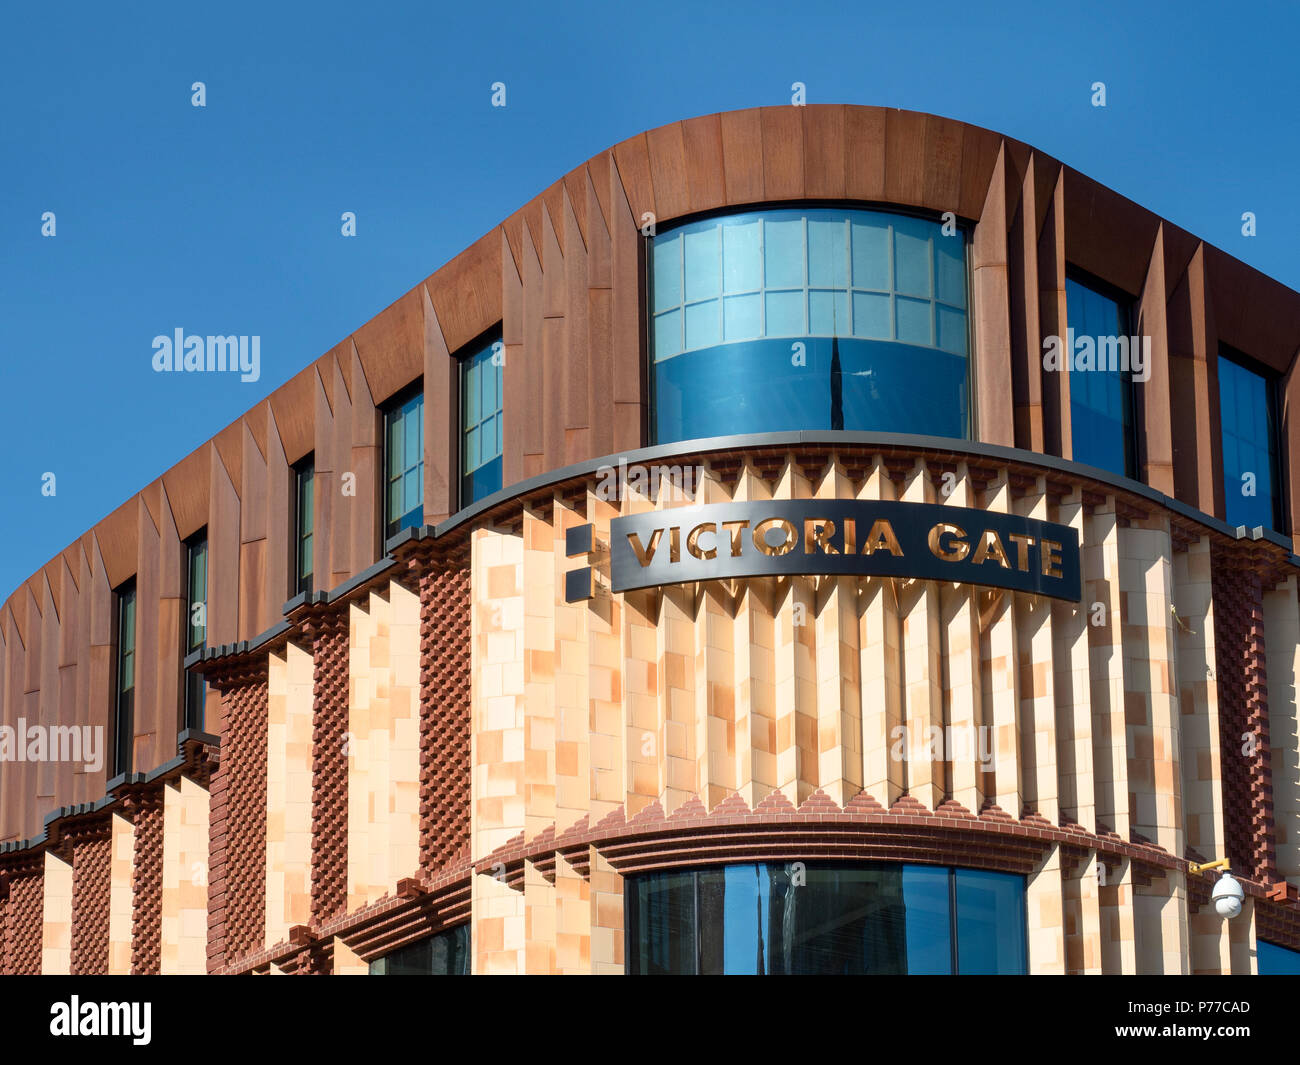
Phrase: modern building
pixel 719 566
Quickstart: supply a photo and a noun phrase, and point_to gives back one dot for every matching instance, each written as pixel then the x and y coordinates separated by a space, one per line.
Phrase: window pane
pixel 668 273
pixel 668 335
pixel 950 269
pixel 742 317
pixel 828 314
pixel 871 254
pixel 703 270
pixel 871 315
pixel 785 314
pixel 913 320
pixel 783 254
pixel 990 923
pixel 827 253
pixel 661 920
pixel 952 330
pixel 1276 961
pixel 929 920
pixel 740 257
pixel 912 256
pixel 702 326
pixel 1248 423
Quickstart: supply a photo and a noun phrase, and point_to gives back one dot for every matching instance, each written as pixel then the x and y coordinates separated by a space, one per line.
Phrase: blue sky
pixel 225 219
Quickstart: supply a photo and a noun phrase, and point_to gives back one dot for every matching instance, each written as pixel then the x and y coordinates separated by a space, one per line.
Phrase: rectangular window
pixel 196 625
pixel 1252 493
pixel 480 417
pixel 124 695
pixel 1101 392
pixel 304 524
pixel 403 463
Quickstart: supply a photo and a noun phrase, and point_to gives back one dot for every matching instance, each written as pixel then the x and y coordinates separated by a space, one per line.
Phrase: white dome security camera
pixel 1227 896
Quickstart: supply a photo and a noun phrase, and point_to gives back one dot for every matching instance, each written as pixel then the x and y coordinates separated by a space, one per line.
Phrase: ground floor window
pixel 443 954
pixel 826 918
pixel 1276 961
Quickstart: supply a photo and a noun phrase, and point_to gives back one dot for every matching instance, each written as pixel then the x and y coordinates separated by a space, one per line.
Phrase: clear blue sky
pixel 225 219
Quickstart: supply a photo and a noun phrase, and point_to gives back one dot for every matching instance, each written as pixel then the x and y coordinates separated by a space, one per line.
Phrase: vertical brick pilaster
pixel 218 867
pixel 146 812
pixel 91 858
pixel 1243 708
pixel 243 761
pixel 444 713
pixel 24 908
pixel 328 633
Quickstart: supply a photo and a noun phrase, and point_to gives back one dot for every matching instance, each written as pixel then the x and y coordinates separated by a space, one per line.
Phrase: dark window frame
pixel 388 528
pixel 123 702
pixel 1273 396
pixel 462 355
pixel 193 686
pixel 1133 399
pixel 299 583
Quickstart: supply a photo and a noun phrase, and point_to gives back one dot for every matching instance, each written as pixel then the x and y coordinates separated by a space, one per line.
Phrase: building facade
pixel 804 539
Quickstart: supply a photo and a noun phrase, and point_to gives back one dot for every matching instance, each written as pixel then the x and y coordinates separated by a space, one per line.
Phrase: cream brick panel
pixel 185 878
pixel 288 792
pixel 56 930
pixel 120 896
pixel 383 743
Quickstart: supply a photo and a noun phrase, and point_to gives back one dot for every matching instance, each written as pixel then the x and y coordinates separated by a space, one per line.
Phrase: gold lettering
pixel 674 544
pixel 958 548
pixel 735 527
pixel 760 536
pixel 817 533
pixel 644 554
pixel 1051 553
pixel 850 536
pixel 882 536
pixel 1023 544
pixel 693 541
pixel 991 547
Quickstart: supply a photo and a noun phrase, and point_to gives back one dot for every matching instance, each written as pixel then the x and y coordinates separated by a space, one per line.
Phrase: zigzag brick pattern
pixel 24 913
pixel 1243 709
pixel 90 899
pixel 329 772
pixel 444 715
pixel 244 760
pixel 146 898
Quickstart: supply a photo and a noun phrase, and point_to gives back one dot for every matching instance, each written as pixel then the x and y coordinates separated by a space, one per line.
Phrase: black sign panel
pixel 841 537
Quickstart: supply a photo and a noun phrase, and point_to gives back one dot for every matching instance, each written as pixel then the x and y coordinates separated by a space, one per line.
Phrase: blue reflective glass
pixel 1101 399
pixel 990 923
pixel 824 918
pixel 1248 418
pixel 1276 961
pixel 926 891
pixel 746 343
pixel 481 391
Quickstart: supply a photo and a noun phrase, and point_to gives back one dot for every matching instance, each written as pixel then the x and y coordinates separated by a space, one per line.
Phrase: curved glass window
pixel 774 918
pixel 817 318
pixel 1276 961
pixel 443 954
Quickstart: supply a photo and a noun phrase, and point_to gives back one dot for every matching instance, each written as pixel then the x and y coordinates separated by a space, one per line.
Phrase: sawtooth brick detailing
pixel 91 857
pixel 243 758
pixel 328 631
pixel 24 914
pixel 146 811
pixel 1243 708
pixel 444 714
